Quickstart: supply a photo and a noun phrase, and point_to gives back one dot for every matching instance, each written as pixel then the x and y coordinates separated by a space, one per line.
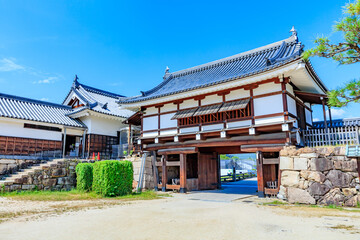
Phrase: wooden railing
pixel 331 136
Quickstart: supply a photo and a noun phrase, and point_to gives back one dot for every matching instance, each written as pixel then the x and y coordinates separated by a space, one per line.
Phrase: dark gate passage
pixel 192 168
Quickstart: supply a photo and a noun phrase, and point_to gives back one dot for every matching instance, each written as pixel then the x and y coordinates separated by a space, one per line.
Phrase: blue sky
pixel 124 46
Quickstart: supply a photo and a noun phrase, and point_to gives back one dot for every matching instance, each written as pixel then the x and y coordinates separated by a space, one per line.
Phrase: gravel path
pixel 184 217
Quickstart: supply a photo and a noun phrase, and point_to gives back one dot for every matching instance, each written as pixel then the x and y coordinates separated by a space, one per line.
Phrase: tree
pixel 346 52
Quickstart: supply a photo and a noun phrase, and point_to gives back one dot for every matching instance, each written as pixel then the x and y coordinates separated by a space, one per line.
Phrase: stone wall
pixel 319 176
pixel 148 180
pixel 57 176
pixel 11 166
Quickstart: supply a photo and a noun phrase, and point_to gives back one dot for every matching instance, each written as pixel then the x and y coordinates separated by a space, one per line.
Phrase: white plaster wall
pixel 269 120
pixel 212 127
pixel 211 99
pixel 291 105
pixel 189 130
pixel 168 107
pixel 189 104
pixel 236 124
pixel 150 123
pixel 102 126
pixel 166 122
pixel 268 105
pixel 289 88
pixel 308 116
pixel 236 94
pixel 151 110
pixel 168 132
pixel 267 88
pixel 16 129
pixel 150 134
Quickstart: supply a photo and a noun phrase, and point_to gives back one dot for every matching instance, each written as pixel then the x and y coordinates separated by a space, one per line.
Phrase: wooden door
pixel 207 172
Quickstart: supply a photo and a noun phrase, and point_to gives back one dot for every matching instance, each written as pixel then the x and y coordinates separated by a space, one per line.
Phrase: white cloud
pixel 337 113
pixel 316 119
pixel 8 65
pixel 46 80
pixel 44 99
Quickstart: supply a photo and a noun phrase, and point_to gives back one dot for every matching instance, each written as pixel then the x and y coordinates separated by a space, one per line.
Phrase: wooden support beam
pixel 155 170
pixel 182 173
pixel 259 169
pixel 164 172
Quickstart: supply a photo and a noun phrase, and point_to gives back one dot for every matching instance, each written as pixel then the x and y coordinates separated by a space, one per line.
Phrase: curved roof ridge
pixel 99 91
pixel 34 101
pixel 291 39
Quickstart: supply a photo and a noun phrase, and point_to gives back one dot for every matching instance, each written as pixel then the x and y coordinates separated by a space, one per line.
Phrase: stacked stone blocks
pixel 319 176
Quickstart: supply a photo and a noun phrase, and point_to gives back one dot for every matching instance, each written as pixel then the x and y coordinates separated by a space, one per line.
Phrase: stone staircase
pixel 22 175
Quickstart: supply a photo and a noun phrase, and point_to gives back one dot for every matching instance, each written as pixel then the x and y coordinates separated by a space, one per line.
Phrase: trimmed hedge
pixel 113 178
pixel 84 176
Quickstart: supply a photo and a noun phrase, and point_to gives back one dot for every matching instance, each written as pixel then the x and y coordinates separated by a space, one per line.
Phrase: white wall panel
pixel 102 126
pixel 189 130
pixel 150 123
pixel 166 122
pixel 211 99
pixel 291 105
pixel 268 105
pixel 189 104
pixel 150 134
pixel 267 88
pixel 168 107
pixel 151 110
pixel 212 127
pixel 238 124
pixel 168 132
pixel 236 94
pixel 290 88
pixel 269 120
pixel 16 129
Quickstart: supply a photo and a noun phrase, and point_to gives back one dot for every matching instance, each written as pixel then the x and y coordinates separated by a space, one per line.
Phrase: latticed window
pixel 214 113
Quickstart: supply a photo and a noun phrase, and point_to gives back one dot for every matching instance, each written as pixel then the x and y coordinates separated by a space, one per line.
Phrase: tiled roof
pixel 98 100
pixel 227 69
pixel 34 110
pixel 346 122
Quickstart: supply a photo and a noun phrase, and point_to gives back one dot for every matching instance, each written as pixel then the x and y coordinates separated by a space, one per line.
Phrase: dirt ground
pixel 183 216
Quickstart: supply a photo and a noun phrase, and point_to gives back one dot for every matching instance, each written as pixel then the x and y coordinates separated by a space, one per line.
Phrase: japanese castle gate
pixel 253 102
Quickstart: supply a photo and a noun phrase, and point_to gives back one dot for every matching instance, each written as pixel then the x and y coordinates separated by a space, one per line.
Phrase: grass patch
pixel 276 202
pixel 344 227
pixel 75 195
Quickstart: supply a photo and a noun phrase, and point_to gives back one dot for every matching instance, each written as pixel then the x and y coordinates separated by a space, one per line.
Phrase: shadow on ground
pixel 230 191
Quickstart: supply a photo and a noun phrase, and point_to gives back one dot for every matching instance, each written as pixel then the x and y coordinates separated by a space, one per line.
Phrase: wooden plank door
pixel 207 172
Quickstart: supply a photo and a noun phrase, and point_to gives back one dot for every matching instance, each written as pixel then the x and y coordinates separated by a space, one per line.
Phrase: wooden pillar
pixel 330 118
pixel 64 143
pixel 252 107
pixel 164 172
pixel 83 144
pixel 155 172
pixel 182 173
pixel 325 121
pixel 284 98
pixel 218 170
pixel 324 112
pixel 129 138
pixel 259 169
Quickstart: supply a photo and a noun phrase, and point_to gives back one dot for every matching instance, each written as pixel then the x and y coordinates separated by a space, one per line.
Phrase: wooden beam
pixel 183 173
pixel 184 150
pixel 155 170
pixel 218 143
pixel 173 187
pixel 164 173
pixel 259 169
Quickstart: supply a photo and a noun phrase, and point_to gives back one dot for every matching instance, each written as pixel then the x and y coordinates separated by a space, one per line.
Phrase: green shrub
pixel 113 178
pixel 84 176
